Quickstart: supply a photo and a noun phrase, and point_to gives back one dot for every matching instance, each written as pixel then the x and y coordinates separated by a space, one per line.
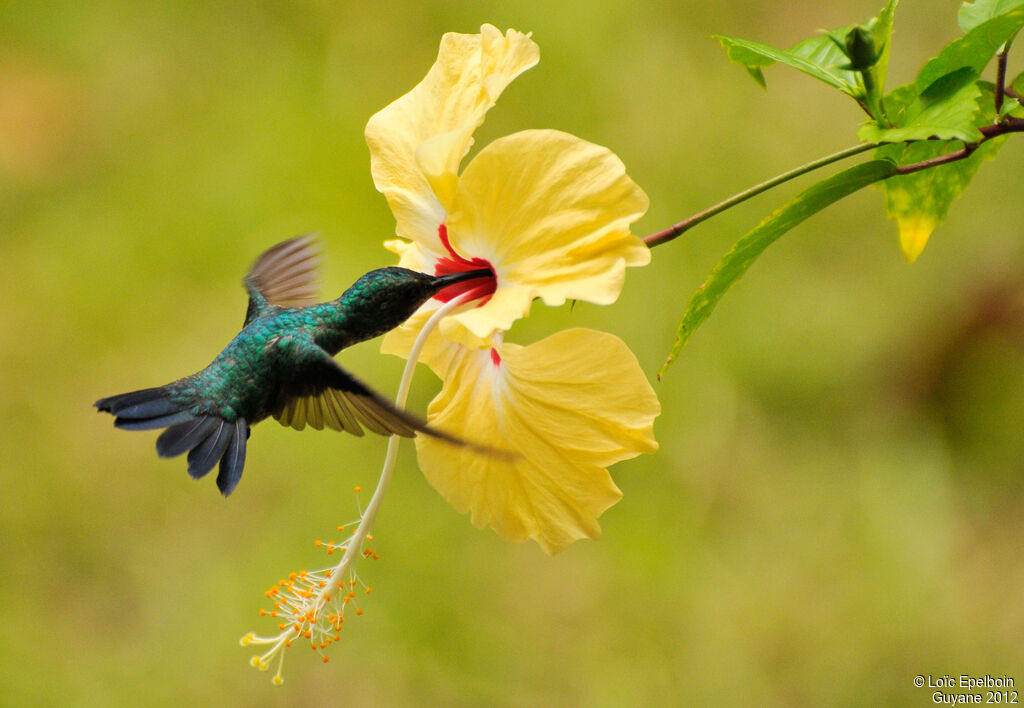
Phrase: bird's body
pixel 281 364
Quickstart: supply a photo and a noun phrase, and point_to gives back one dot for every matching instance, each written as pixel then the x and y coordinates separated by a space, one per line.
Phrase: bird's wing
pixel 285 275
pixel 322 394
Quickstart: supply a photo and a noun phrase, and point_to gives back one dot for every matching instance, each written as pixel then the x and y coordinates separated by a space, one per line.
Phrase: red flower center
pixel 480 288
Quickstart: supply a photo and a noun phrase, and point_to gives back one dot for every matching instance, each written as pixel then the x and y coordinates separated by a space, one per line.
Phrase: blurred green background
pixel 836 506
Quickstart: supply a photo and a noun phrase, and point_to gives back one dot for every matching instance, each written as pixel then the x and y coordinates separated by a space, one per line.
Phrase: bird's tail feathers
pixel 208 439
pixel 148 409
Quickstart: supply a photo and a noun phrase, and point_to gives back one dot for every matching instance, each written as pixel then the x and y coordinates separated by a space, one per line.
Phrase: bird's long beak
pixel 443 281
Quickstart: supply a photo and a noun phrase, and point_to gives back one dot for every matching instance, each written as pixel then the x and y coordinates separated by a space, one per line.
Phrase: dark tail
pixel 208 439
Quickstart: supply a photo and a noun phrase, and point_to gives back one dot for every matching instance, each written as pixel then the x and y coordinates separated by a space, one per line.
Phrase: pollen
pixel 310 604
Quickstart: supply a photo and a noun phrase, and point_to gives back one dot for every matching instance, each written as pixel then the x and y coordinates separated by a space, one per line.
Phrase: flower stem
pixel 355 544
pixel 672 232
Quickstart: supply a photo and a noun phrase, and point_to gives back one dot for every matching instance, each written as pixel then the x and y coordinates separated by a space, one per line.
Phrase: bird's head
pixel 391 295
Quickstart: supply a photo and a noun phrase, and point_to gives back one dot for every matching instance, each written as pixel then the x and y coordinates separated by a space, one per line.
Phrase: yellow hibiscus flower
pixel 548 213
pixel 569 405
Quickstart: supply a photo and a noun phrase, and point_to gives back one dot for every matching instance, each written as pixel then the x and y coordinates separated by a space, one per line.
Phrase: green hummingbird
pixel 282 364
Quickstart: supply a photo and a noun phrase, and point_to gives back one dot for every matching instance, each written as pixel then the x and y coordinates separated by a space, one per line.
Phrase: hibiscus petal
pixel 417 142
pixel 551 213
pixel 567 406
pixel 447 341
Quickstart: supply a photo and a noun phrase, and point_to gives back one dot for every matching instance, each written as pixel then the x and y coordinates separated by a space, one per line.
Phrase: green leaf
pixel 881 30
pixel 754 55
pixel 757 75
pixel 1012 106
pixel 920 200
pixel 736 262
pixel 817 56
pixel 751 60
pixel 974 50
pixel 822 51
pixel 947 110
pixel 1018 84
pixel 973 14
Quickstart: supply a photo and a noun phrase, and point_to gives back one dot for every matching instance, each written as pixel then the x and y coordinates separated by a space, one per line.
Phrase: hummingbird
pixel 281 364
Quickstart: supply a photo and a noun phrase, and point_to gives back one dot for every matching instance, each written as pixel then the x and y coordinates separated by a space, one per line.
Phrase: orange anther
pixel 326 659
pixel 357 489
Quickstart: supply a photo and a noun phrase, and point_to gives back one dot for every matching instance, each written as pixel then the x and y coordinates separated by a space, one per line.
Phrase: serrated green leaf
pixel 945 110
pixel 754 55
pixel 920 200
pixel 973 14
pixel 974 50
pixel 740 257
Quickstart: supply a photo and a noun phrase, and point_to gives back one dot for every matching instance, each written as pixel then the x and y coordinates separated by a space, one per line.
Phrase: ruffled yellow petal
pixel 568 407
pixel 417 142
pixel 551 212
